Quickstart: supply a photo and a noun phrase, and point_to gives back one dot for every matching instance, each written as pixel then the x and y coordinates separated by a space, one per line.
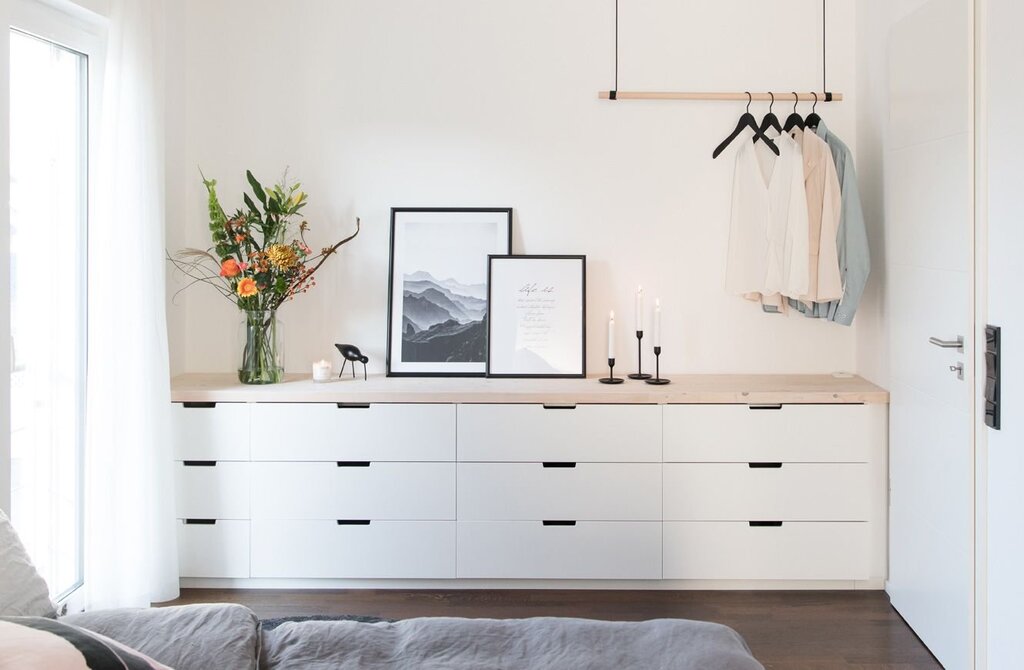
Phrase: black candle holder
pixel 658 379
pixel 611 378
pixel 639 374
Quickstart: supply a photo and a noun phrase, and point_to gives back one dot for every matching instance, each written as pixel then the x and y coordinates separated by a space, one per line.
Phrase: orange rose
pixel 247 288
pixel 229 268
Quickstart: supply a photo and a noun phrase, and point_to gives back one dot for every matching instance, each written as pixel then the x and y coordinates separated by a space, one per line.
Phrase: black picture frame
pixel 391 349
pixel 582 373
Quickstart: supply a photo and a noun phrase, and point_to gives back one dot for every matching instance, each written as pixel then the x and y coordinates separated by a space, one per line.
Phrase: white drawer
pixel 584 433
pixel 379 432
pixel 380 549
pixel 219 491
pixel 219 433
pixel 587 550
pixel 794 550
pixel 218 549
pixel 791 492
pixel 533 492
pixel 374 490
pixel 791 433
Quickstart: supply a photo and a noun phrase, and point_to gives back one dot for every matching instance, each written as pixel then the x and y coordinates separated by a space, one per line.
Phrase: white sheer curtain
pixel 131 557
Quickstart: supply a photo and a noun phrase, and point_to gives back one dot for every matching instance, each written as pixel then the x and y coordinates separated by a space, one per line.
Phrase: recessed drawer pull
pixel 353 522
pixel 764 465
pixel 353 464
pixel 765 524
pixel 558 522
pixel 200 522
pixel 353 405
pixel 198 405
pixel 559 464
pixel 567 406
pixel 199 464
pixel 778 406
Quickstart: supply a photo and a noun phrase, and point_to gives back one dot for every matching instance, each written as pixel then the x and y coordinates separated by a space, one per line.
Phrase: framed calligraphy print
pixel 538 316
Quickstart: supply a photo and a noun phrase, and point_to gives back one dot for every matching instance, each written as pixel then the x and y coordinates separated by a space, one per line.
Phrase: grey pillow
pixel 22 591
pixel 187 637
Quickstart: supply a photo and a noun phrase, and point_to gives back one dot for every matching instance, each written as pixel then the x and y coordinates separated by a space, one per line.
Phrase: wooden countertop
pixel 684 389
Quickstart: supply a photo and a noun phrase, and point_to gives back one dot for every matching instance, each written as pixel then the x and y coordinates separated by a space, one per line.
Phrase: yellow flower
pixel 282 256
pixel 247 288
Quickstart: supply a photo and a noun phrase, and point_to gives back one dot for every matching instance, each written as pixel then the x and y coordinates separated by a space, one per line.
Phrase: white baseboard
pixel 581 584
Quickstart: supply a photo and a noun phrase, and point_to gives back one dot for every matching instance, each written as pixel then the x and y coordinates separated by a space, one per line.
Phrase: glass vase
pixel 261 347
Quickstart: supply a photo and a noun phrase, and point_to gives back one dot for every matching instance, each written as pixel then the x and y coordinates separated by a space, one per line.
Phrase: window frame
pixel 77 29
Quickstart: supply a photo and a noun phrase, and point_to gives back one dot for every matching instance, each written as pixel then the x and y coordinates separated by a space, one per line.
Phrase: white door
pixel 1003 112
pixel 928 259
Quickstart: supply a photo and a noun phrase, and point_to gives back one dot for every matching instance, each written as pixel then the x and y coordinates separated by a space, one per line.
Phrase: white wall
pixel 5 261
pixel 487 103
pixel 1003 105
pixel 874 20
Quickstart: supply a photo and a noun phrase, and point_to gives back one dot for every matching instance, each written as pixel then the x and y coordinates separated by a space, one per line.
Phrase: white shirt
pixel 768 233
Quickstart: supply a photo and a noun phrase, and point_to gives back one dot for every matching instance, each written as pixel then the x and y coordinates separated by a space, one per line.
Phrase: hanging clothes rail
pixel 822 96
pixel 826 96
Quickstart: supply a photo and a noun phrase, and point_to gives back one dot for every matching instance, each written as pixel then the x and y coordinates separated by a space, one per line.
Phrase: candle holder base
pixel 640 375
pixel 611 378
pixel 658 379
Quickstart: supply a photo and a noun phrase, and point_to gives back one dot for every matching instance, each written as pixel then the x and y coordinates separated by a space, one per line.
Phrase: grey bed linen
pixel 479 644
pixel 189 637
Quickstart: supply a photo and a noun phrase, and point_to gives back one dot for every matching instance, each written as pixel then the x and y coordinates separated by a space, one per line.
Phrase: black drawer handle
pixel 764 465
pixel 353 405
pixel 765 524
pixel 199 464
pixel 200 522
pixel 198 405
pixel 778 406
pixel 558 522
pixel 353 522
pixel 570 406
pixel 353 464
pixel 559 464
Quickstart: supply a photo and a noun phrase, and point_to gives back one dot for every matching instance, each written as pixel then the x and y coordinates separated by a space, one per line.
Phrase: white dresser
pixel 711 482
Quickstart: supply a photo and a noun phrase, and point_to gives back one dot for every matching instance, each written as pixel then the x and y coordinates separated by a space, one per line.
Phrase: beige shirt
pixel 824 200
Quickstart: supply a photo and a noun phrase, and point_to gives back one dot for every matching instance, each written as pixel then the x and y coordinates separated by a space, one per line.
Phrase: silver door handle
pixel 957 344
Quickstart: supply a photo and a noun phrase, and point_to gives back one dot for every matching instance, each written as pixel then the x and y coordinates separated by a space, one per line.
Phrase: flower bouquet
pixel 257 263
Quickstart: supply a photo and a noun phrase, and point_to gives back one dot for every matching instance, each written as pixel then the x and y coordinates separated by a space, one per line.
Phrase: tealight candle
pixel 322 371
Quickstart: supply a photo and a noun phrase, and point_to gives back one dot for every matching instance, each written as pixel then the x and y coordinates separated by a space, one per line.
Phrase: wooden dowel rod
pixel 766 97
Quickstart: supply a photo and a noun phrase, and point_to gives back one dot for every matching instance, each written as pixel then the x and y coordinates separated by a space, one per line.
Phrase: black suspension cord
pixel 615 91
pixel 824 80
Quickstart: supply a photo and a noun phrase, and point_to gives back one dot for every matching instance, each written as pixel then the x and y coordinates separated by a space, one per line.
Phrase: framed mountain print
pixel 537 316
pixel 437 289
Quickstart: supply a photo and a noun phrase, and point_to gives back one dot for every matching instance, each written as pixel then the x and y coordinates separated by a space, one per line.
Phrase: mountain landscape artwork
pixel 438 312
pixel 443 320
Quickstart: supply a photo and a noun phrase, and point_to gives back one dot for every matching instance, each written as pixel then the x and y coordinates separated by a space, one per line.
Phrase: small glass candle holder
pixel 322 371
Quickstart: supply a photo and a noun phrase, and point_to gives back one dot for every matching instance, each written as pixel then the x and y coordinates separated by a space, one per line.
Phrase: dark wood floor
pixel 795 630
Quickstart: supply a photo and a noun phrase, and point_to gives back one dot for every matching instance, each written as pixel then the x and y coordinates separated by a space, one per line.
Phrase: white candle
pixel 322 371
pixel 657 322
pixel 611 334
pixel 639 308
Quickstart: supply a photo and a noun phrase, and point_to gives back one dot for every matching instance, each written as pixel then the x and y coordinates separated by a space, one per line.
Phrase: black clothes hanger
pixel 769 120
pixel 746 121
pixel 813 119
pixel 794 120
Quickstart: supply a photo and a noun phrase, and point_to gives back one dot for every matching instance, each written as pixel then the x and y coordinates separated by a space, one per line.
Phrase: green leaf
pixel 257 188
pixel 250 204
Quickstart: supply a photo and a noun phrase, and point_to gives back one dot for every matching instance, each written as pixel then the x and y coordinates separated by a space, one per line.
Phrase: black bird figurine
pixel 350 352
